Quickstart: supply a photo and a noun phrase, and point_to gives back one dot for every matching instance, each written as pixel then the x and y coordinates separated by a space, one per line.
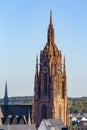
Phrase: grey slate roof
pixel 15 109
pixel 15 114
pixel 17 127
pixel 51 124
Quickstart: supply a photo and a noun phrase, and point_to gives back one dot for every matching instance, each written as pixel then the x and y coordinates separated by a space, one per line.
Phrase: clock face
pixel 45 70
pixel 58 69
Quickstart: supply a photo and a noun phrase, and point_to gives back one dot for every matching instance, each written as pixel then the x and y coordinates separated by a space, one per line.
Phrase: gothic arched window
pixel 63 89
pixel 60 111
pixel 44 111
pixel 45 84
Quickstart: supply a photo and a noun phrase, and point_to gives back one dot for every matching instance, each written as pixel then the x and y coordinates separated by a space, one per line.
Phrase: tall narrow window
pixel 63 89
pixel 60 111
pixel 44 111
pixel 45 84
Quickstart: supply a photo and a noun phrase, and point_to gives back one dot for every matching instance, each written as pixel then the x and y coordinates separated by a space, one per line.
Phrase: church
pixel 50 86
pixel 50 90
pixel 17 114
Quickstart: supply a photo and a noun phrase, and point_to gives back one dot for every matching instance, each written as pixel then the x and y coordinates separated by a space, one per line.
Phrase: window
pixel 45 83
pixel 60 111
pixel 44 111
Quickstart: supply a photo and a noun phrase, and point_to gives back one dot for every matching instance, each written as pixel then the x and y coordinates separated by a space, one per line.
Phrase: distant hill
pixel 18 100
pixel 76 105
pixel 78 99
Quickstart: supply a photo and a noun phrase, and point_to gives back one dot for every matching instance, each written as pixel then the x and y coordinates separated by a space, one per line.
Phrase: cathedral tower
pixel 6 95
pixel 50 87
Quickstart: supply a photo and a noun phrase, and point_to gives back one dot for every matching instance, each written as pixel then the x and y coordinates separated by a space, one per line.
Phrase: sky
pixel 23 34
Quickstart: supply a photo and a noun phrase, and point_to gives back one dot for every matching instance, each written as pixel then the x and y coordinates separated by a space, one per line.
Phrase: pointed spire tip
pixel 36 59
pixel 50 17
pixel 51 12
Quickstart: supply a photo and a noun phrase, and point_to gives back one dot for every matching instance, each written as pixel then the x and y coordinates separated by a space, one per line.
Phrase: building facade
pixel 50 87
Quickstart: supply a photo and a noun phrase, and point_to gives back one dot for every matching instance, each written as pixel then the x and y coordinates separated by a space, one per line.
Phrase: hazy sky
pixel 23 33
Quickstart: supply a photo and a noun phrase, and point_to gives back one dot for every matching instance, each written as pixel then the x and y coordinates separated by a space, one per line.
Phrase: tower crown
pixel 50 37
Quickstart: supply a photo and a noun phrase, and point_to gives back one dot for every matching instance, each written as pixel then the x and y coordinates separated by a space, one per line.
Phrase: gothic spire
pixel 64 67
pixel 6 94
pixel 50 17
pixel 36 75
pixel 50 37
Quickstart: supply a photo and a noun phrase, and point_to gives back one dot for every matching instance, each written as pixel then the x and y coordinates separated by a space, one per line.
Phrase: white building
pixel 52 124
